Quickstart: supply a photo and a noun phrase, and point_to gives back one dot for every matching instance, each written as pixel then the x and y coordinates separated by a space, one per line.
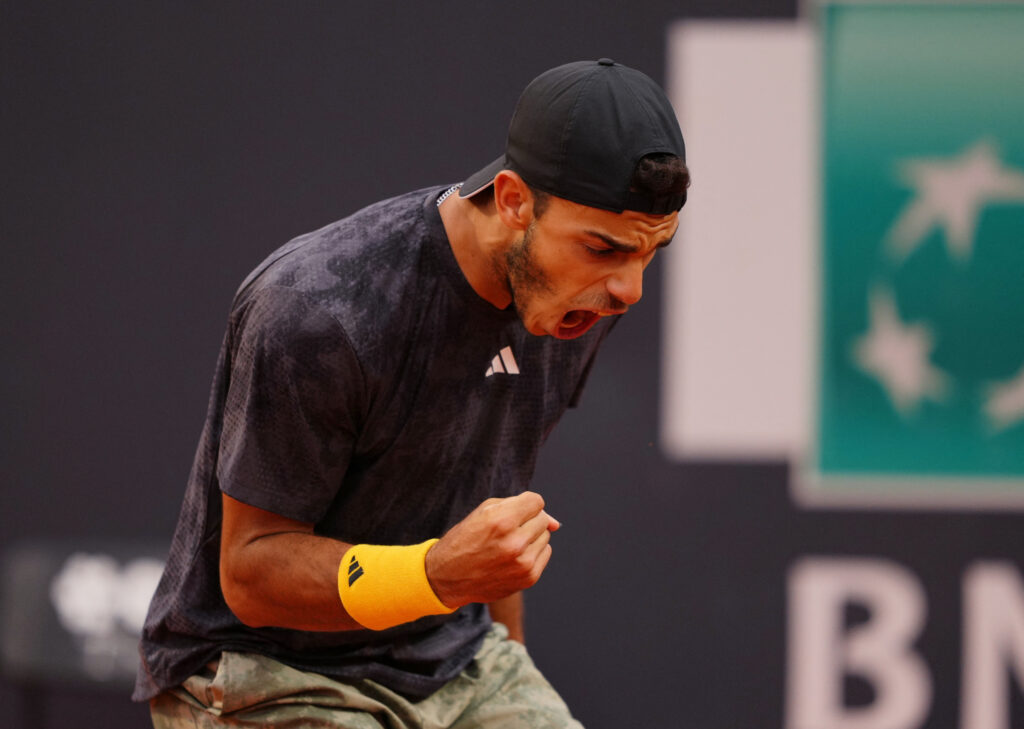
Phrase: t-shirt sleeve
pixel 292 408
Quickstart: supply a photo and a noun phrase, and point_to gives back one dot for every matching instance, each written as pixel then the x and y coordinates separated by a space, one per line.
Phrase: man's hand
pixel 500 548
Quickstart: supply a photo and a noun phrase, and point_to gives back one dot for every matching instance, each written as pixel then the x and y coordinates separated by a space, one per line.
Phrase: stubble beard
pixel 525 278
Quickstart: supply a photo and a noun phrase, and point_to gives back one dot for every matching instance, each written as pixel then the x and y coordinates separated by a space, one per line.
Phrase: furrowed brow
pixel 621 247
pixel 612 243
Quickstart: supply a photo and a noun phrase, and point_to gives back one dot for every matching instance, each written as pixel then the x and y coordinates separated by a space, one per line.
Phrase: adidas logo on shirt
pixel 503 362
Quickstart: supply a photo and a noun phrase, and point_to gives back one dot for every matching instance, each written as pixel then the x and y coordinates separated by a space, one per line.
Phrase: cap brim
pixel 482 179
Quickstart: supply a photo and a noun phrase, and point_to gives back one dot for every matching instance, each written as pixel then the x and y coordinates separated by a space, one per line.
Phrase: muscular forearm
pixel 276 572
pixel 287 581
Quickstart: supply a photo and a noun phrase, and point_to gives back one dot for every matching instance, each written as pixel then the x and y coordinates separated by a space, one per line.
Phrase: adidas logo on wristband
pixel 354 571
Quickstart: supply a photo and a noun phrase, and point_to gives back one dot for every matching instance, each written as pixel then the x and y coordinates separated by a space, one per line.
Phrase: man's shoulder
pixel 388 228
pixel 359 270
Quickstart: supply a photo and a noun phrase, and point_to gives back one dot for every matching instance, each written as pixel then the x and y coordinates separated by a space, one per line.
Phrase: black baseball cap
pixel 579 131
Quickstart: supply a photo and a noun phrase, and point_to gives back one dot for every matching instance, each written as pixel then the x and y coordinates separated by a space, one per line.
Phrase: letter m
pixel 993 643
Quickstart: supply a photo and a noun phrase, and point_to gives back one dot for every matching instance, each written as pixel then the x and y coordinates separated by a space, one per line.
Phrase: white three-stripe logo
pixel 503 362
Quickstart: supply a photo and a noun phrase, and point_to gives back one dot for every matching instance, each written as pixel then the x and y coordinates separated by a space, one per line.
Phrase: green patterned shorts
pixel 500 688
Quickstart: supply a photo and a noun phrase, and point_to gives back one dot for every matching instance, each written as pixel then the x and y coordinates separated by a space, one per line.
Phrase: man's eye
pixel 599 252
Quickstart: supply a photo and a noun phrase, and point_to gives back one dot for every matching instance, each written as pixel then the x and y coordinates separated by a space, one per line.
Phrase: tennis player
pixel 358 527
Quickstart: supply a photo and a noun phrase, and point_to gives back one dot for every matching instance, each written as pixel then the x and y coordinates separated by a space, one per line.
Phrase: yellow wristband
pixel 382 587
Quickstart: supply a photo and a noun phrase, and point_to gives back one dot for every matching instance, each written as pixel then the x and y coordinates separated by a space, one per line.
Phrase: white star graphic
pixel 1004 403
pixel 950 193
pixel 897 355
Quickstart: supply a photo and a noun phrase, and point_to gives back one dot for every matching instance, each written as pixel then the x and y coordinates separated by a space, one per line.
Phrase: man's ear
pixel 513 199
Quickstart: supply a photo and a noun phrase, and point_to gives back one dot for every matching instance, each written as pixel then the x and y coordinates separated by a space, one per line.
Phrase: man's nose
pixel 627 283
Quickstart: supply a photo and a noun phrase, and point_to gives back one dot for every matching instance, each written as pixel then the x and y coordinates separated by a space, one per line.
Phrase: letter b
pixel 822 650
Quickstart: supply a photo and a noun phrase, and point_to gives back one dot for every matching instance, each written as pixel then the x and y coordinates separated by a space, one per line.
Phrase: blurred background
pixel 791 495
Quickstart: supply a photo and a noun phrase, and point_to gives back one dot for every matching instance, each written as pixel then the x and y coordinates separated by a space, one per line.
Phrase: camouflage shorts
pixel 500 688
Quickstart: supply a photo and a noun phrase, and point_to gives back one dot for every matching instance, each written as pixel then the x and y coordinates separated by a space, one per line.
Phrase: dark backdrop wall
pixel 154 152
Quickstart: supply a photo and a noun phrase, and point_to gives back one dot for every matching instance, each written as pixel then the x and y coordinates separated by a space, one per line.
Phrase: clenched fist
pixel 500 548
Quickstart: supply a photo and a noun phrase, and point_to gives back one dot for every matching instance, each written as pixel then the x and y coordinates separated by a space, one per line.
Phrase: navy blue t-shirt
pixel 364 387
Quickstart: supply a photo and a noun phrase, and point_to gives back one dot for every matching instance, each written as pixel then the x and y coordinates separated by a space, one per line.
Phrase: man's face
pixel 576 264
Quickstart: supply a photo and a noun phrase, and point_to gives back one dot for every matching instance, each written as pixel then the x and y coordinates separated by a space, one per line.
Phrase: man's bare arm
pixel 276 572
pixel 509 612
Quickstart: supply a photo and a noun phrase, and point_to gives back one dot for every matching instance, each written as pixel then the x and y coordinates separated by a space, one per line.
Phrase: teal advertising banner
pixel 921 395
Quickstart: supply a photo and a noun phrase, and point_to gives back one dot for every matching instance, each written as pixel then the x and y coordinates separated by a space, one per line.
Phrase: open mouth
pixel 576 323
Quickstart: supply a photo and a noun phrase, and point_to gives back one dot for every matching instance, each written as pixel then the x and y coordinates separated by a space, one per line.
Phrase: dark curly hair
pixel 656 175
